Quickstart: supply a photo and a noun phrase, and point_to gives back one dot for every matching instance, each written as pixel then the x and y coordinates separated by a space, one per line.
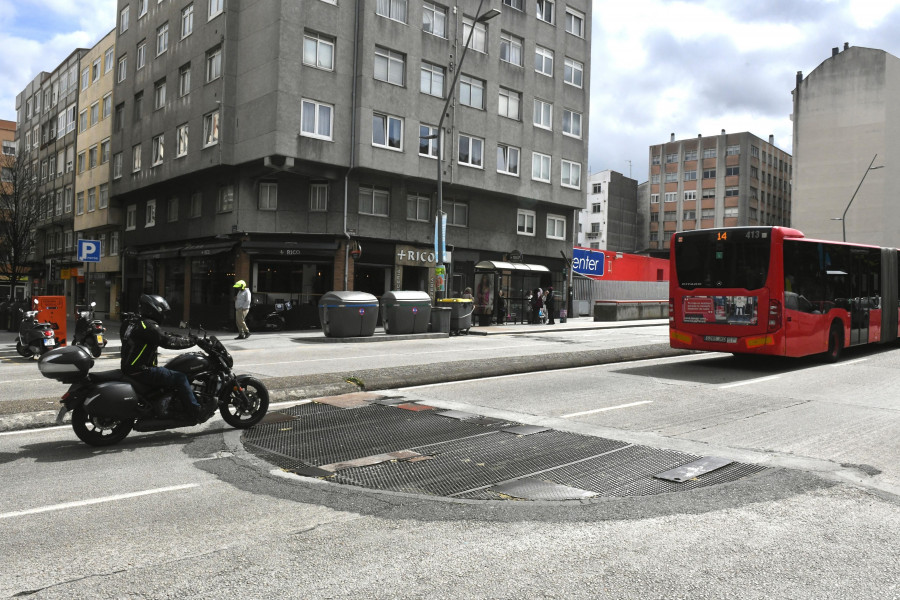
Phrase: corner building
pixel 263 140
pixel 728 180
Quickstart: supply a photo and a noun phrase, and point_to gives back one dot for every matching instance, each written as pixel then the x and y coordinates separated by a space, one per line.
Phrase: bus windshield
pixel 734 258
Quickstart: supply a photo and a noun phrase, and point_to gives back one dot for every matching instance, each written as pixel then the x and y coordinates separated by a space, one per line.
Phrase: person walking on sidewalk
pixel 549 304
pixel 241 308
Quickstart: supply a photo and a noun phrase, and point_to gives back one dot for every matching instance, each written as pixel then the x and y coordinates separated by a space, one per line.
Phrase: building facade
pixel 846 121
pixel 727 180
pixel 262 140
pixel 8 153
pixel 94 218
pixel 610 220
pixel 47 112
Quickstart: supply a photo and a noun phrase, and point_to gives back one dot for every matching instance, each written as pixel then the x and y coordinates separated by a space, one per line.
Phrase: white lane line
pixel 598 410
pixel 844 363
pixel 749 381
pixel 78 503
pixel 20 381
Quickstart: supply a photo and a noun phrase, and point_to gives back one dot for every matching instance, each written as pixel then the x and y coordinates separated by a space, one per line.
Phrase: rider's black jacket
pixel 140 343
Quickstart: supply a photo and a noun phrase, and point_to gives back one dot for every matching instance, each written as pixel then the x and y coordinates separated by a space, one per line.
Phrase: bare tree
pixel 18 218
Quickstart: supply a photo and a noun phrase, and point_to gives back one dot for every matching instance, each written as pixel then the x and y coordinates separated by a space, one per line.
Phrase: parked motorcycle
pixel 35 338
pixel 107 405
pixel 89 332
pixel 261 317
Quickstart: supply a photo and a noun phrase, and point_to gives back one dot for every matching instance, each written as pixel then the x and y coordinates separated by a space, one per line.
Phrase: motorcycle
pixel 35 338
pixel 107 405
pixel 89 331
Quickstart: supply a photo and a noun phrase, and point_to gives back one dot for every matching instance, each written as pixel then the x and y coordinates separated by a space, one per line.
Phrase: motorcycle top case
pixel 68 364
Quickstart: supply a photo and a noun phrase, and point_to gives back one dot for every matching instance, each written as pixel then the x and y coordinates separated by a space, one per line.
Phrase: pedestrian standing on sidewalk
pixel 550 305
pixel 241 308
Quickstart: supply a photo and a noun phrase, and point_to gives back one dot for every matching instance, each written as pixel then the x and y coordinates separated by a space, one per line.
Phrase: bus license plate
pixel 721 339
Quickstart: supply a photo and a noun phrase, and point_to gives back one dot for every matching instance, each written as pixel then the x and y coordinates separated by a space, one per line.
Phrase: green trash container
pixel 460 314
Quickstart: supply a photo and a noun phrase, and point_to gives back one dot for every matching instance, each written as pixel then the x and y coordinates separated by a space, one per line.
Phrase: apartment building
pixel 846 122
pixel 46 115
pixel 727 180
pixel 94 218
pixel 8 153
pixel 610 220
pixel 262 140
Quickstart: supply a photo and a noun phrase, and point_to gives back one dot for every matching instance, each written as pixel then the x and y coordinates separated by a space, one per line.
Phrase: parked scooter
pixel 89 332
pixel 35 338
pixel 107 405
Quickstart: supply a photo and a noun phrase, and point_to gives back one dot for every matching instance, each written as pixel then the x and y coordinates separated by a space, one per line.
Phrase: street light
pixel 843 218
pixel 479 18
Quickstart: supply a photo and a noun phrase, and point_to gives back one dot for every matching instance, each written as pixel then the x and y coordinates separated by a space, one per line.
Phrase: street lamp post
pixel 843 218
pixel 451 93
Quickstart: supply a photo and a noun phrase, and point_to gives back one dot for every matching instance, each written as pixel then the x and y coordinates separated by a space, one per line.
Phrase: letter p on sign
pixel 89 250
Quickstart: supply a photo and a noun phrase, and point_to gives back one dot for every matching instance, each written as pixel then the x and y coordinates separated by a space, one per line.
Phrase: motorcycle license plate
pixel 49 342
pixel 720 339
pixel 99 339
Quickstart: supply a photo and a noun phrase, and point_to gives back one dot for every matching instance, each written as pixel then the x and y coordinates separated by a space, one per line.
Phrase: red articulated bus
pixel 769 290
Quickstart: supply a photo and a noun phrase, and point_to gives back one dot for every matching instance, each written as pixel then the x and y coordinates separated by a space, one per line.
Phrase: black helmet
pixel 153 306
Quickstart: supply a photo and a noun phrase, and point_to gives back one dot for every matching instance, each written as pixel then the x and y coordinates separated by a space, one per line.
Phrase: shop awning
pixel 496 265
pixel 158 253
pixel 287 249
pixel 207 249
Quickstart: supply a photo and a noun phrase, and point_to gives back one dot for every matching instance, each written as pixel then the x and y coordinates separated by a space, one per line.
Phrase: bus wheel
pixel 835 343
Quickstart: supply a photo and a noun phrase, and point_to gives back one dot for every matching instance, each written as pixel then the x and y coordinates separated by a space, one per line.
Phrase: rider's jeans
pixel 174 380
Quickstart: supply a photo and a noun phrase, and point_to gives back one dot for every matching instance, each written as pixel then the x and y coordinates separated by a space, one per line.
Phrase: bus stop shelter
pixel 516 280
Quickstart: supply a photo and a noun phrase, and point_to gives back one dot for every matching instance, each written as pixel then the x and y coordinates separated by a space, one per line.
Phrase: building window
pixel 671 196
pixel 184 80
pixel 103 196
pixel 509 104
pixel 457 213
pixel 141 56
pixel 79 203
pixel 689 215
pixel 92 157
pixel 142 8
pixel 434 20
pixel 574 22
pixel 574 72
pixel 215 8
pixel 545 10
pixel 162 38
pixel 150 215
pixel 428 145
pixel 172 210
pixel 690 195
pixel 543 61
pixel 123 19
pixel 226 199
pixel 389 66
pixel 187 21
pixel 471 151
pixel 540 167
pixel 158 150
pixel 708 193
pixel 318 51
pixel 543 114
pixel 516 4
pixel 316 119
pixel 508 159
pixel 731 212
pixel 571 123
pixel 511 49
pixel 525 222
pixel 709 153
pixel 82 121
pixel 654 198
pixel 109 59
pixel 107 105
pixel 732 150
pixel 387 131
pixel 268 195
pixel 210 129
pixel 731 192
pixel 196 205
pixel 213 63
pixel 709 173
pixel 418 208
pixel 690 155
pixel 392 9
pixel 570 174
pixel 85 78
pixel 181 139
pixel 754 152
pixel 432 80
pixel 114 243
pixel 670 177
pixel 556 227
pixel 122 71
pixel 318 197
pixel 479 36
pixel 159 94
pixel 374 201
pixel 471 92
pixel 732 171
pixel 81 162
pixel 670 215
pixel 117 165
pixel 690 175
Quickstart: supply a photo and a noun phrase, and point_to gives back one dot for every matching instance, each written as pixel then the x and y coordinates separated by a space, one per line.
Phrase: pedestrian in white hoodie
pixel 241 308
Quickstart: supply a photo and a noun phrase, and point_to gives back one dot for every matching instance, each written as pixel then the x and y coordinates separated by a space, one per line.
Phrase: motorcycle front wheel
pixel 241 413
pixel 99 431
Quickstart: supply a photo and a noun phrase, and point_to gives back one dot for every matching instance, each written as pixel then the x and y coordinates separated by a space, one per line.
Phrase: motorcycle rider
pixel 140 343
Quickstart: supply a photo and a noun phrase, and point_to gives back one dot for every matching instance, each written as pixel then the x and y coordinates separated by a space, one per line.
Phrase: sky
pixel 657 66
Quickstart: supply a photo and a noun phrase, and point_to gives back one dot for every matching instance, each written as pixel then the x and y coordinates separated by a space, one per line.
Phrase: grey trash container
pixel 348 314
pixel 405 312
pixel 440 319
pixel 460 314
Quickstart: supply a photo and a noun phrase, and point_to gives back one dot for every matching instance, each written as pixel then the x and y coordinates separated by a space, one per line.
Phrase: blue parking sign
pixel 89 250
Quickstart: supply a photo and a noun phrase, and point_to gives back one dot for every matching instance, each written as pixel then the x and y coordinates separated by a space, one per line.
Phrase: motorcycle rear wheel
pixel 23 350
pixel 96 350
pixel 240 415
pixel 99 431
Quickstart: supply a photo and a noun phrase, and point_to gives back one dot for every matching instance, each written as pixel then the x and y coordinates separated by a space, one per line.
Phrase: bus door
pixel 865 295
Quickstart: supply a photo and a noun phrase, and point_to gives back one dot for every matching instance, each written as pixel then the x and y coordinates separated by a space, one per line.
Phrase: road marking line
pixel 597 410
pixel 80 503
pixel 848 362
pixel 749 381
